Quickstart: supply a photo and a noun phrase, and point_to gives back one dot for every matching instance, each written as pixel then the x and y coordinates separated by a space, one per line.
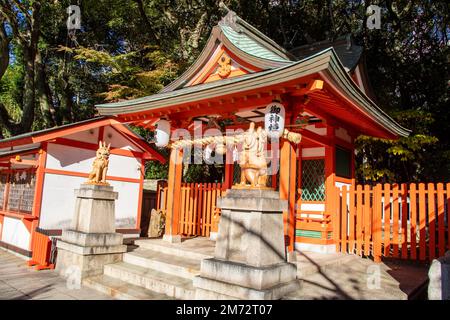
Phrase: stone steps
pixel 178 266
pixel 122 290
pixel 310 263
pixel 184 249
pixel 150 279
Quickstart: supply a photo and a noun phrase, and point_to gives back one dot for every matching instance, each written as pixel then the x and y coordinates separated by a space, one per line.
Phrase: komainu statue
pixel 252 159
pixel 100 165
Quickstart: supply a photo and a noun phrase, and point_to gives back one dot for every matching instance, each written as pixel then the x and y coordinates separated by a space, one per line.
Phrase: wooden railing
pixel 198 212
pixel 399 221
pixel 42 246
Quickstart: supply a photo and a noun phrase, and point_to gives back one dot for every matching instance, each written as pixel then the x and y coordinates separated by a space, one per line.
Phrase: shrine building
pixel 39 172
pixel 327 98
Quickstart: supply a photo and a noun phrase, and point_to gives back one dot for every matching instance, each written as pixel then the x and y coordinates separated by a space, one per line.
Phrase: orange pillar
pixel 287 189
pixel 229 168
pixel 173 196
pixel 39 189
pixel 330 181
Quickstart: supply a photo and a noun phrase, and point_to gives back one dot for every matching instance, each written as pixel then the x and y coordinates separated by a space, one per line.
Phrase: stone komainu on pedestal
pixel 92 241
pixel 249 260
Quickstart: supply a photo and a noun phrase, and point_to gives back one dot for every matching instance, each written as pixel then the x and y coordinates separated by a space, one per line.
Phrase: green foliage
pixel 203 173
pixel 402 160
pixel 132 48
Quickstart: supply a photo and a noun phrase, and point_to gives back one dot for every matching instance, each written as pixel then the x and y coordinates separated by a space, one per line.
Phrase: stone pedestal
pixel 91 242
pixel 439 278
pixel 250 259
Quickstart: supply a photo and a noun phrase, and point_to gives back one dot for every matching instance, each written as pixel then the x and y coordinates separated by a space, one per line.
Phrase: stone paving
pixel 20 282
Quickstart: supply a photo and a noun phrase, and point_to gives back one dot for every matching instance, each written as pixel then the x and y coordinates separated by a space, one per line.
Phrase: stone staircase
pixel 158 270
pixel 155 270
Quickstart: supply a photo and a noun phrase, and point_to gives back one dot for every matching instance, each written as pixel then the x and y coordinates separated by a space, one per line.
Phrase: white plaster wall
pixel 319 131
pixel 313 207
pixel 62 157
pixel 15 233
pixel 127 167
pixel 58 202
pixel 313 152
pixel 117 140
pixel 84 136
pixel 126 204
pixel 74 159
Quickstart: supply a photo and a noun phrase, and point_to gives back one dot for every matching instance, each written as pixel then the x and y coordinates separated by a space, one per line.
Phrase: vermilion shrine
pixel 239 72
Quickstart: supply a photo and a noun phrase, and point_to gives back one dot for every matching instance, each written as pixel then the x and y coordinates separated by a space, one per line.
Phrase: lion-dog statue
pixel 252 160
pixel 100 165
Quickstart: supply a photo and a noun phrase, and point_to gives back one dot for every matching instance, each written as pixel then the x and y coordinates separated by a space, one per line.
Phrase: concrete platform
pixel 355 279
pixel 158 270
pixel 19 282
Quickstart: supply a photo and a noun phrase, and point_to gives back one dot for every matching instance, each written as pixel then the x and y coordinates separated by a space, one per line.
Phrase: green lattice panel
pixel 308 234
pixel 313 180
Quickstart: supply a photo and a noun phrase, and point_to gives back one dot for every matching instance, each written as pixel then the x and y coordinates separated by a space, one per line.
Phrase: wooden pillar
pixel 173 194
pixel 39 189
pixel 229 169
pixel 330 178
pixel 288 168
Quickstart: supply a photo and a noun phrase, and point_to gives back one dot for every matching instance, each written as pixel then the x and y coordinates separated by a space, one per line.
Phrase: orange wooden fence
pixel 42 246
pixel 198 214
pixel 399 221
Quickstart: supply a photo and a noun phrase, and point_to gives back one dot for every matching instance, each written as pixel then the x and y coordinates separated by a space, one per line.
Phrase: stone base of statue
pixel 92 241
pixel 250 259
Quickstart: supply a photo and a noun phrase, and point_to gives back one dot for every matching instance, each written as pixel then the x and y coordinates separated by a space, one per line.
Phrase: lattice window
pixel 313 180
pixel 21 192
pixel 3 181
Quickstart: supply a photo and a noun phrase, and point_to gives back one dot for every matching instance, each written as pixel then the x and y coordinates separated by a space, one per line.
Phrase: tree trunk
pixel 43 93
pixel 4 48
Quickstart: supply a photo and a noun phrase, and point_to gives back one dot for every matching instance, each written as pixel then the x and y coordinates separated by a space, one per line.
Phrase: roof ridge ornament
pixel 230 19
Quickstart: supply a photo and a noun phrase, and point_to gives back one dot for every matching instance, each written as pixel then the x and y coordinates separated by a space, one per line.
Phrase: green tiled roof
pixel 250 46
pixel 325 61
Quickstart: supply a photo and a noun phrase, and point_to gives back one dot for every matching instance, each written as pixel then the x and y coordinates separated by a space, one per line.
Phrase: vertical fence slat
pixel 395 220
pixel 441 220
pixel 387 220
pixel 431 222
pixel 336 211
pixel 359 220
pixel 376 226
pixel 413 220
pixel 404 221
pixel 205 208
pixel 344 219
pixel 422 222
pixel 183 209
pixel 191 207
pixel 208 209
pixel 367 220
pixel 199 208
pixel 195 212
pixel 352 208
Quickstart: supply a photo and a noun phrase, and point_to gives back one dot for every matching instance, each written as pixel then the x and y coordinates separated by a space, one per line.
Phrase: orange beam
pixel 86 175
